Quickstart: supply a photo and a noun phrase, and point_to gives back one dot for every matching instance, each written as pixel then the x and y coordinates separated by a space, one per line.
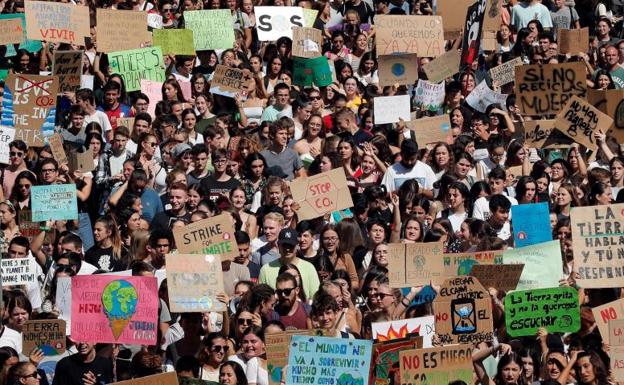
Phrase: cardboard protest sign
pixel 277 345
pixel 388 109
pixel 57 22
pixel 616 332
pixel 153 90
pixel 27 44
pixel 18 271
pixel 462 263
pixel 531 224
pixel 422 35
pixel 307 42
pixel 555 309
pixel 573 41
pixel 398 329
pixel 229 81
pixel 543 265
pixel 29 106
pixel 28 228
pixel 126 122
pixel 385 359
pixel 579 119
pixel 616 353
pixel 440 365
pixel 67 66
pixel 483 96
pixel 546 88
pixel 7 135
pixel 397 69
pixel 463 312
pixel 611 102
pixel 606 313
pixel 194 281
pixel 501 277
pixel 119 30
pixel 81 161
pixel 506 72
pixel 442 67
pixel 214 235
pixel 275 22
pixel 169 378
pixel 56 202
pixel 431 129
pixel 415 264
pixel 212 29
pixel 453 13
pixel 321 194
pixel 536 132
pixel 596 243
pixel 174 41
pixel 321 359
pixel 11 31
pixel 138 64
pixel 316 71
pixel 114 309
pixel 47 335
pixel 428 95
pixel 56 146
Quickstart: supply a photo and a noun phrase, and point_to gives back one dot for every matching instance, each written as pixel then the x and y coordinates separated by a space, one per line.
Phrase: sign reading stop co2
pixel 321 194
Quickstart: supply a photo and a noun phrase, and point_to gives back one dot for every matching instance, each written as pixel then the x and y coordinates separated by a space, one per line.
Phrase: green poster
pixel 136 64
pixel 543 266
pixel 309 17
pixel 312 71
pixel 212 29
pixel 175 41
pixel 556 309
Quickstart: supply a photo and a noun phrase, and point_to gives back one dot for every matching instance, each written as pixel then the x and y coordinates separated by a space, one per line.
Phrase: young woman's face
pixel 189 121
pixel 330 241
pixel 19 316
pixel 455 199
pixel 606 197
pixel 170 92
pixel 100 232
pixel 542 185
pixel 413 231
pixel 227 376
pixel 381 255
pixel 257 168
pixel 276 66
pixel 528 367
pixel 346 72
pixel 457 118
pixel 442 156
pixel 377 234
pixel 252 346
pixel 345 150
pixel 511 373
pixel 603 81
pixel 325 164
pixel 361 42
pixel 275 194
pixel 563 197
pixel 368 66
pixel 350 87
pixel 529 195
pixel 238 199
pixel 462 167
pixel 464 231
pixel 505 32
pixel 368 164
pixel 23 186
pixel 585 370
pixel 287 208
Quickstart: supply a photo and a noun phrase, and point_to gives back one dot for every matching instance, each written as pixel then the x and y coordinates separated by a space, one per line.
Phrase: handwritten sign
pixel 616 332
pixel 57 22
pixel 7 135
pixel 194 281
pixel 573 41
pixel 56 201
pixel 388 109
pixel 596 234
pixel 555 309
pixel 212 29
pixel 546 88
pixel 578 121
pixel 81 161
pixel 316 71
pixel 398 69
pixel 275 22
pixel 63 301
pixel 137 64
pixel 442 67
pixel 422 35
pixel 119 30
pixel 428 95
pixel 114 309
pixel 543 266
pixel 27 44
pixel 431 130
pixel 506 72
pixel 463 263
pixel 606 313
pixel 28 228
pixel 501 277
pixel 321 194
pixel 56 146
pixel 47 335
pixel 531 224
pixel 68 67
pixel 616 353
pixel 415 264
pixel 324 360
pixel 11 31
pixel 440 365
pixel 174 41
pixel 536 132
pixel 229 81
pixel 398 329
pixel 611 102
pixel 18 271
pixel 277 345
pixel 483 96
pixel 213 235
pixel 307 42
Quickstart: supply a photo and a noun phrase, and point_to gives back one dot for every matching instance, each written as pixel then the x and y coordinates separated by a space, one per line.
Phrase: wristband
pixel 44 228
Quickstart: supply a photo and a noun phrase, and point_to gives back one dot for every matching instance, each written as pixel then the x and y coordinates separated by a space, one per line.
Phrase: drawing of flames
pixel 395 335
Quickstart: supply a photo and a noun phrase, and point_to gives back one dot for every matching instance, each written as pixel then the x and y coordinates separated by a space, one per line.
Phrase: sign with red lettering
pixel 616 332
pixel 321 194
pixel 213 235
pixel 605 313
pixel 616 353
pixel 57 22
pixel 441 365
pixel 194 281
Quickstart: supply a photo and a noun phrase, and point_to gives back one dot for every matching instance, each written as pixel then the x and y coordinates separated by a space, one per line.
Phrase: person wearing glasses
pixel 220 182
pixel 23 373
pixel 17 152
pixel 213 353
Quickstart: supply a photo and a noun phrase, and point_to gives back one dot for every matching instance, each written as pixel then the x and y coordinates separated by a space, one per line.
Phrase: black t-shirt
pixel 164 220
pixel 103 259
pixel 70 370
pixel 364 10
pixel 213 188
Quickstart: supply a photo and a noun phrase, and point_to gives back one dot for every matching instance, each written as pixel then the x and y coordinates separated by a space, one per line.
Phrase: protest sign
pixel 388 109
pixel 154 20
pixel 28 228
pixel 55 201
pixel 214 235
pixel 307 42
pixel 462 263
pixel 68 67
pixel 174 41
pixel 546 88
pixel 483 96
pixel 506 72
pixel 323 360
pixel 442 67
pixel 415 264
pixel 275 22
pixel 616 353
pixel 579 119
pixel 119 30
pixel 308 72
pixel 596 244
pixel 194 281
pixel 277 351
pixel 321 194
pixel 501 277
pixel 397 69
pixel 29 106
pixel 63 301
pixel 169 378
pixel 212 29
pixel 195 381
pixel 398 329
pixel 616 332
pixel 229 81
pixel 542 264
pixel 153 90
pixel 81 161
pixel 555 309
pixel 47 335
pixel 56 146
pixel 29 45
pixel 492 17
pixel 7 135
pixel 573 41
pixel 463 312
pixel 114 309
pixel 603 314
pixel 126 122
pixel 611 102
pixel 440 365
pixel 57 22
pixel 138 64
pixel 453 13
pixel 385 359
pixel 431 129
pixel 536 132
pixel 422 35
pixel 11 31
pixel 18 271
pixel 428 95
pixel 531 224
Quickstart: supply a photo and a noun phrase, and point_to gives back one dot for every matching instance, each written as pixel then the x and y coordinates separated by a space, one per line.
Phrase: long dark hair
pixel 504 361
pixel 241 377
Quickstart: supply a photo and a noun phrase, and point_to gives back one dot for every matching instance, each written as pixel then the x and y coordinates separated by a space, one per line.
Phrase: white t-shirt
pixel 101 118
pixel 11 338
pixel 481 208
pixel 397 174
pixel 255 373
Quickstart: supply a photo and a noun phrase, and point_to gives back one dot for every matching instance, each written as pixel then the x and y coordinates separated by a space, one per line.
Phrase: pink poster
pixel 186 89
pixel 114 309
pixel 153 90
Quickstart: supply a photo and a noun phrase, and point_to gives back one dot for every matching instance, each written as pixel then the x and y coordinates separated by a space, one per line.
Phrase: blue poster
pixel 56 202
pixel 324 360
pixel 531 224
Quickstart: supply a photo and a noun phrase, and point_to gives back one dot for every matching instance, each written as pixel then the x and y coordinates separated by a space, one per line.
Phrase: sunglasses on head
pixel 284 292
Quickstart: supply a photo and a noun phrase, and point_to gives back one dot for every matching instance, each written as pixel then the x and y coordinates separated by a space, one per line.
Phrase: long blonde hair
pixel 138 244
pixel 115 237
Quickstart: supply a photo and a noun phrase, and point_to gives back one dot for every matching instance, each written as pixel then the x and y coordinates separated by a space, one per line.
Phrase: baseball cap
pixel 288 237
pixel 180 149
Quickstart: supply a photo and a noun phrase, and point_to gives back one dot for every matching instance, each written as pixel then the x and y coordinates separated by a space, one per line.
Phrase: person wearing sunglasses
pixel 17 153
pixel 213 353
pixel 250 357
pixel 23 373
pixel 289 310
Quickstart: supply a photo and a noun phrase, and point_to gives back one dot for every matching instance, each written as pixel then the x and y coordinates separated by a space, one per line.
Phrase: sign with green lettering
pixel 136 64
pixel 213 235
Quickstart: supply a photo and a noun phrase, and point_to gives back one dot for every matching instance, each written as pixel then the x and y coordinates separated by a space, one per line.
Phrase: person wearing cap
pixel 287 243
pixel 181 155
pixel 409 167
pixel 219 183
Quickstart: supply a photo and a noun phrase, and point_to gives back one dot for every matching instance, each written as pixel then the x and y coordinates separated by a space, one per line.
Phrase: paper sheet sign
pixel 28 228
pixel 422 35
pixel 388 109
pixel 431 129
pixel 606 313
pixel 429 96
pixel 212 29
pixel 11 31
pixel 56 202
pixel 440 365
pixel 229 81
pixel 616 332
pixel 275 22
pixel 194 281
pixel 543 265
pixel 277 345
pixel 398 69
pixel 67 65
pixel 531 224
pixel 462 263
pixel 398 329
pixel 7 135
pixel 483 96
pixel 578 120
pixel 506 72
pixel 81 161
pixel 443 67
pixel 213 235
pixel 119 30
pixel 415 264
pixel 501 277
pixel 57 22
pixel 573 41
pixel 18 271
pixel 47 335
pixel 616 353
pixel 307 42
pixel 321 194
